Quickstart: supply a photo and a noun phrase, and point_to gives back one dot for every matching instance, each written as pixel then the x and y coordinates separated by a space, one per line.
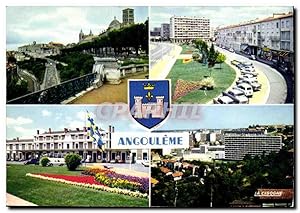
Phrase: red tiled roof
pixel 177 174
pixel 165 170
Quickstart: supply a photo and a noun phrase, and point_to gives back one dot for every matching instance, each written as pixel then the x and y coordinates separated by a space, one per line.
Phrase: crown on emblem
pixel 149 86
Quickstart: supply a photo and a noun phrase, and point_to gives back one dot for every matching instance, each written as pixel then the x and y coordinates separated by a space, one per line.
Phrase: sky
pixel 60 24
pixel 23 121
pixel 218 15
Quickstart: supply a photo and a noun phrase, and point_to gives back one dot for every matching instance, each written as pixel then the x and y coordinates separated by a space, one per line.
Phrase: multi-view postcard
pixel 150 107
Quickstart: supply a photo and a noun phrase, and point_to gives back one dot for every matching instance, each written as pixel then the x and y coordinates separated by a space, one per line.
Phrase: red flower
pixel 76 179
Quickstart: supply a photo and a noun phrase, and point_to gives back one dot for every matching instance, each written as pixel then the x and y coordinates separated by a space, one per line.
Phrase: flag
pixel 94 132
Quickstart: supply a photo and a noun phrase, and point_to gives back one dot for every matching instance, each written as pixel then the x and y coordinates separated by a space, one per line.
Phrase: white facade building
pixel 270 38
pixel 186 29
pixel 60 143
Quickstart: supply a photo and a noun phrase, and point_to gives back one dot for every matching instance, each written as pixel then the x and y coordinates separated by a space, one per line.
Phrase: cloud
pixel 46 113
pixel 26 132
pixel 17 121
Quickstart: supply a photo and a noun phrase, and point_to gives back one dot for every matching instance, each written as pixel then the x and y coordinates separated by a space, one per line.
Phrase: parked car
pixel 253 57
pixel 235 62
pixel 32 161
pixel 247 63
pixel 245 88
pixel 231 50
pixel 248 76
pixel 249 71
pixel 56 162
pixel 238 96
pixel 240 66
pixel 254 83
pixel 223 100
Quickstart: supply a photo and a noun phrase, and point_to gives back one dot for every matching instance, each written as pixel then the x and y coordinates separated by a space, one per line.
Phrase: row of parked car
pixel 245 86
pixel 52 162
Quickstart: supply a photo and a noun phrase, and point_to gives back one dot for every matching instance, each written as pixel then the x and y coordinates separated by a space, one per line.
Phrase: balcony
pixel 275 38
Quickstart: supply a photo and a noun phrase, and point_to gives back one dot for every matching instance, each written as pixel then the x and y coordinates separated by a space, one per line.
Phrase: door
pixel 123 156
pixel 94 157
pixel 133 160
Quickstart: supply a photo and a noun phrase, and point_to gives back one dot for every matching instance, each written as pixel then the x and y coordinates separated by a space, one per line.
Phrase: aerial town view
pixel 213 57
pixel 84 57
pixel 244 163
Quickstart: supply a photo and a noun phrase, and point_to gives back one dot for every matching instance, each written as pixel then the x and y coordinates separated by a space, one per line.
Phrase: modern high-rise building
pixel 186 29
pixel 128 16
pixel 60 143
pixel 241 143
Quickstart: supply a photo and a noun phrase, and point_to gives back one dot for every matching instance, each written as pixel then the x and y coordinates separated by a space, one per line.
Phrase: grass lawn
pixel 47 193
pixel 186 49
pixel 195 71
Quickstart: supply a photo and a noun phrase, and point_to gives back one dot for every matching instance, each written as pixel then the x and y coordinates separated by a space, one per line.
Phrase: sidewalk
pixel 13 201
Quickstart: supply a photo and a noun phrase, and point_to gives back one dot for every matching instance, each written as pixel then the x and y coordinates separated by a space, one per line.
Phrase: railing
pixel 58 93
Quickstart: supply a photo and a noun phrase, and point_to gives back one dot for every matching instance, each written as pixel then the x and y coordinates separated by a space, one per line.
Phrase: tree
pixel 212 56
pixel 45 161
pixel 72 161
pixel 221 58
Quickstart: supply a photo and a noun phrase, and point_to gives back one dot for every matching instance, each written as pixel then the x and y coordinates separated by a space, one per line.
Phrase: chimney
pixel 113 129
pixel 18 139
pixel 66 130
pixel 37 132
pixel 84 128
pixel 77 129
pixel 50 130
pixel 109 128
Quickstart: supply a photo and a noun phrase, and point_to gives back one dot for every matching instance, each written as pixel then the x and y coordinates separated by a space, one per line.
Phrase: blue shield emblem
pixel 149 101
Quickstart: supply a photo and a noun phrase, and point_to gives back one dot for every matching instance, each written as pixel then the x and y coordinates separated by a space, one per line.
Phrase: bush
pixel 72 161
pixel 44 161
pixel 207 83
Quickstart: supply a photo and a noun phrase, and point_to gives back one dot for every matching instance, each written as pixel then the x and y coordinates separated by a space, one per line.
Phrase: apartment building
pixel 241 143
pixel 185 29
pixel 270 38
pixel 60 143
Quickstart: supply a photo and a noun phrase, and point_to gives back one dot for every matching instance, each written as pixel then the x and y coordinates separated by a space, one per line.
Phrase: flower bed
pixel 124 181
pixel 94 171
pixel 183 87
pixel 185 61
pixel 87 182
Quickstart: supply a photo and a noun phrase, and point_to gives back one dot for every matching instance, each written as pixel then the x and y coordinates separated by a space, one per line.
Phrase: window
pixel 145 156
pixel 68 146
pixel 287 23
pixel 282 24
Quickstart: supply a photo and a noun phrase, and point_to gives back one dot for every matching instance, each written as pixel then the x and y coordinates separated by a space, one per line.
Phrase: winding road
pixel 51 77
pixel 277 84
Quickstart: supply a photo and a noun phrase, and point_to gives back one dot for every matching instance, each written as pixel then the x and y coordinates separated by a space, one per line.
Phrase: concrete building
pixel 270 38
pixel 165 31
pixel 185 29
pixel 128 16
pixel 241 143
pixel 60 143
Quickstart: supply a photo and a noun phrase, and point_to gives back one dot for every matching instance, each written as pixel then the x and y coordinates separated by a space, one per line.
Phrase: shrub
pixel 72 161
pixel 44 161
pixel 196 56
pixel 207 83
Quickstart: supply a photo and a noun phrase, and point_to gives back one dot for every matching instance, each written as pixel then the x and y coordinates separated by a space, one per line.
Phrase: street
pixel 162 58
pixel 277 85
pixel 51 77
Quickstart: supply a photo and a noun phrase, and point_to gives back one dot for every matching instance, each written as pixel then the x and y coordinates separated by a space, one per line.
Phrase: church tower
pixel 81 36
